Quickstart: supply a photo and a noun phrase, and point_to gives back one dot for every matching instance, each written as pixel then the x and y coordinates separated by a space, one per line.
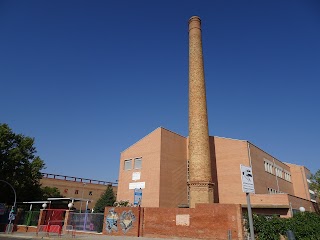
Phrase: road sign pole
pixel 250 216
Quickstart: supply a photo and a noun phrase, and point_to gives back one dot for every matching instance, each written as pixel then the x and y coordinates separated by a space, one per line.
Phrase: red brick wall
pixel 206 221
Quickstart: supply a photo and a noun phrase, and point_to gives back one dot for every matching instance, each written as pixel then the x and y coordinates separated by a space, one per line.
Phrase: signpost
pixel 248 187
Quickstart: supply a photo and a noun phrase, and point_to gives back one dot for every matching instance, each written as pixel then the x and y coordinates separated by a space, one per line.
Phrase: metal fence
pixel 90 222
pixel 28 218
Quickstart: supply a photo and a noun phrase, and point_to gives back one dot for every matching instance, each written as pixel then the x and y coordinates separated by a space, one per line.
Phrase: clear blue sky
pixel 87 79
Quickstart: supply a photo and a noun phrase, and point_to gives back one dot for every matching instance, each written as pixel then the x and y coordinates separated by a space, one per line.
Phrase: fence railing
pixel 28 218
pixel 92 222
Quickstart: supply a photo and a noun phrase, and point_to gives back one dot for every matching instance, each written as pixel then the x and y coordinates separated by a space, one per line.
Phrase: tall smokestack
pixel 200 179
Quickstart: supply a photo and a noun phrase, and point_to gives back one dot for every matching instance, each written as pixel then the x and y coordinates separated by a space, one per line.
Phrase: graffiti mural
pixel 112 221
pixel 126 220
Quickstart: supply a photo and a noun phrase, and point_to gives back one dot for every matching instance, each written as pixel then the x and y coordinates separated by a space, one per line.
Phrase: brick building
pixel 75 187
pixel 158 164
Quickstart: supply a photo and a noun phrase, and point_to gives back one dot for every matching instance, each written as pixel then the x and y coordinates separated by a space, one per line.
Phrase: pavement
pixel 30 235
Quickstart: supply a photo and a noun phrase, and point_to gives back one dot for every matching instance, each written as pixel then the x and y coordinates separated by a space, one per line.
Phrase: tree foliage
pixel 123 203
pixel 315 185
pixel 107 199
pixel 50 192
pixel 304 226
pixel 19 166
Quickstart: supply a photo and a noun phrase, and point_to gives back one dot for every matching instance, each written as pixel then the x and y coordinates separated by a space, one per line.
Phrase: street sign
pixel 11 216
pixel 137 196
pixel 2 208
pixel 247 179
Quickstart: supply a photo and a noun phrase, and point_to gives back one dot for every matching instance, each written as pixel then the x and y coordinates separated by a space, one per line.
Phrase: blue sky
pixel 87 79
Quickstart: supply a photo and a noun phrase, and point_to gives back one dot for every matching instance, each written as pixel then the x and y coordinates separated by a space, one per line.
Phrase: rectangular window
pixel 76 192
pixel 268 166
pixel 287 176
pixel 128 164
pixel 265 166
pixel 137 163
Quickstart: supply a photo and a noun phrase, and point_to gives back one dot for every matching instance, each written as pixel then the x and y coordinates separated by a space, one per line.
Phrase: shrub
pixel 305 226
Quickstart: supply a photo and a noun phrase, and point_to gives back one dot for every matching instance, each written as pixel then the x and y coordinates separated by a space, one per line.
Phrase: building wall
pixel 299 180
pixel 173 169
pixel 264 180
pixel 229 154
pixel 148 149
pixel 205 221
pixel 77 189
pixel 164 171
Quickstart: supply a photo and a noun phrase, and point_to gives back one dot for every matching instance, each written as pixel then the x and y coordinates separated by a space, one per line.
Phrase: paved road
pixel 28 236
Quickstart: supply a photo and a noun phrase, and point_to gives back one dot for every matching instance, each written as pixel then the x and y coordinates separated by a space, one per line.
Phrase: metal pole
pixel 250 216
pixel 82 196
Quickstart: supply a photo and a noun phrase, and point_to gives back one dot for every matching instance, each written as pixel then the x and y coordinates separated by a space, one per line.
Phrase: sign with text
pixel 137 196
pixel 247 179
pixel 134 185
pixel 136 176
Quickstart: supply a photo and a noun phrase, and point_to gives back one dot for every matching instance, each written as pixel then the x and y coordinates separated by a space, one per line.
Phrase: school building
pixel 158 164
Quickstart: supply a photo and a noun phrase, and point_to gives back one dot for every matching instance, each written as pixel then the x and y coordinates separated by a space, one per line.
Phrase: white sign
pixel 134 185
pixel 247 179
pixel 183 219
pixel 136 176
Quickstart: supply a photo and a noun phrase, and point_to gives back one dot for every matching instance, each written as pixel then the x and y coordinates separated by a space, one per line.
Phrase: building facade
pixel 158 164
pixel 75 187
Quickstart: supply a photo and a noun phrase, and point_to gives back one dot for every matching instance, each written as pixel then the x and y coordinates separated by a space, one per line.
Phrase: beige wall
pixel 165 180
pixel 148 148
pixel 299 180
pixel 173 169
pixel 230 154
pixel 68 188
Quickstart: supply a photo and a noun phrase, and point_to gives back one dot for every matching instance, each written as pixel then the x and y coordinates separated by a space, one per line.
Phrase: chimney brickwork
pixel 200 179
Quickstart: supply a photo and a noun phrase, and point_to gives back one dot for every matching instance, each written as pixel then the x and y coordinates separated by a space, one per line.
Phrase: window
pixel 287 176
pixel 76 192
pixel 128 164
pixel 279 172
pixel 268 166
pixel 272 191
pixel 90 193
pixel 137 163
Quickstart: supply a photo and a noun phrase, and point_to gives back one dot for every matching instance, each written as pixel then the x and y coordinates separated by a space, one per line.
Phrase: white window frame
pixel 125 164
pixel 135 160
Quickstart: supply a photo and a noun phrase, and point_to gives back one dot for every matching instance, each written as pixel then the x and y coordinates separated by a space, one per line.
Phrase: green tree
pixel 19 166
pixel 315 185
pixel 50 192
pixel 107 199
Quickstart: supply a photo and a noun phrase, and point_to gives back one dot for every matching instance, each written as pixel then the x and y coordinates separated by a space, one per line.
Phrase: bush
pixel 305 226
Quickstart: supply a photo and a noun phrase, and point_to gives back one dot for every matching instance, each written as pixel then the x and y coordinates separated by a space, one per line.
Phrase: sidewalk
pixel 80 237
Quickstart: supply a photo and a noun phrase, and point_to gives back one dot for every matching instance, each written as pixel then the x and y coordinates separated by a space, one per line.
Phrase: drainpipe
pixel 276 174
